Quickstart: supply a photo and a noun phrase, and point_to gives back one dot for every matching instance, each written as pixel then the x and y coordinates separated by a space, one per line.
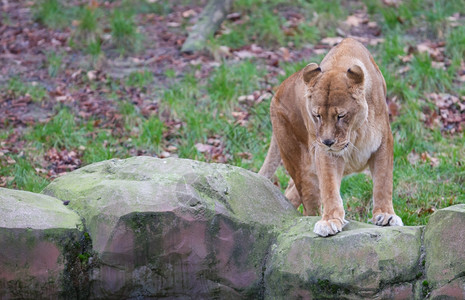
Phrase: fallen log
pixel 209 21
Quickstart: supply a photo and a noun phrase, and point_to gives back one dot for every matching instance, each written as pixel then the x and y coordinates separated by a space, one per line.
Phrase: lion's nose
pixel 328 142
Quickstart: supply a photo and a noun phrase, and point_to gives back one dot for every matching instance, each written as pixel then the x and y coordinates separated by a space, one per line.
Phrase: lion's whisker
pixel 353 146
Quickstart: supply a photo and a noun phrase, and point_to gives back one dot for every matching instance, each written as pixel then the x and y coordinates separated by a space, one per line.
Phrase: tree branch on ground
pixel 209 21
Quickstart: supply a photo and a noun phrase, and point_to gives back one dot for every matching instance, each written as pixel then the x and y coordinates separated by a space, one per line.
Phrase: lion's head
pixel 336 105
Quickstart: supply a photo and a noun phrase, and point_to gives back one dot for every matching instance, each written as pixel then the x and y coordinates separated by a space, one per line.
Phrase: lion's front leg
pixel 330 170
pixel 381 167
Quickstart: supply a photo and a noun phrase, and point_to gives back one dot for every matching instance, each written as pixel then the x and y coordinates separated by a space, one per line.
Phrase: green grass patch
pixel 51 13
pixel 62 131
pixel 16 88
pixel 151 134
pixel 263 23
pixel 426 76
pixel 124 32
pixel 22 174
pixel 54 63
pixel 140 79
pixel 455 43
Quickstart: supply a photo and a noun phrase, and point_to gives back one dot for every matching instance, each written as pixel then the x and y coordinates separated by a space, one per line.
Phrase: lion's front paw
pixel 385 219
pixel 330 227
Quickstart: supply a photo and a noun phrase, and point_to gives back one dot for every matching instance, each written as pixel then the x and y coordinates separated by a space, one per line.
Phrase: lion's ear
pixel 310 71
pixel 355 73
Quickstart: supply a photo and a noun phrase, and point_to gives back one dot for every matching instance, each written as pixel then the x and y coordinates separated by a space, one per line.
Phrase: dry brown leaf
pixel 189 13
pixel 354 21
pixel 438 65
pixel 423 211
pixel 171 148
pixel 393 109
pixel 173 24
pixel 413 157
pixel 164 154
pixel 244 54
pixel 245 155
pixel 92 75
pixel 285 53
pixel 426 157
pixel 403 69
pixel 203 147
pixel 331 41
pixel 394 3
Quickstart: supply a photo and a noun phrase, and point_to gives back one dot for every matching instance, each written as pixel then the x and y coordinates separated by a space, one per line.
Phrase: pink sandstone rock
pixel 34 230
pixel 175 228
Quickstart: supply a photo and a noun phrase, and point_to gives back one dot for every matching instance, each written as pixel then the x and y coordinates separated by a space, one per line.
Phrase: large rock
pixel 40 248
pixel 445 251
pixel 188 230
pixel 363 261
pixel 175 228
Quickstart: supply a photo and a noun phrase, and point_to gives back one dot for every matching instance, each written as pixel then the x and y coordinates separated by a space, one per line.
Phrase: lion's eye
pixel 341 116
pixel 317 116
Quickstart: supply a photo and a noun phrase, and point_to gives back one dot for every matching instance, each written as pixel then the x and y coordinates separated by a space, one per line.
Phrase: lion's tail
pixel 272 160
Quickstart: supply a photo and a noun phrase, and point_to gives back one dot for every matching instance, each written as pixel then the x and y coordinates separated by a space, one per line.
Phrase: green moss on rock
pixel 22 209
pixel 212 224
pixel 361 259
pixel 444 243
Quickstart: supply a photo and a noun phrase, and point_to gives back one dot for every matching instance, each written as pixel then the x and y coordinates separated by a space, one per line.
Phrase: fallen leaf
pixel 244 54
pixel 245 155
pixel 246 99
pixel 393 109
pixel 331 41
pixel 438 65
pixel 164 154
pixel 426 157
pixel 241 117
pixel 173 24
pixel 354 20
pixel 285 53
pixel 234 16
pixel 413 157
pixel 403 69
pixel 425 211
pixel 189 13
pixel 203 147
pixel 92 75
pixel 394 3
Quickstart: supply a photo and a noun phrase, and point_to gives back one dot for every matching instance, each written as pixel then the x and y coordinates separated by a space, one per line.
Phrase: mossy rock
pixel 40 241
pixel 167 228
pixel 358 262
pixel 179 228
pixel 444 246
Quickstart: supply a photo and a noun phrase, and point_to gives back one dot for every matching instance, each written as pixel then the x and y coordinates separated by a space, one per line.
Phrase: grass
pixel 17 88
pixel 124 32
pixel 62 131
pixel 92 21
pixel 270 27
pixel 205 110
pixel 54 63
pixel 50 13
pixel 140 79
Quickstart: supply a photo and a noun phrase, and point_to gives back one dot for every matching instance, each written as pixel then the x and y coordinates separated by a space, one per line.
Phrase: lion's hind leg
pixel 292 194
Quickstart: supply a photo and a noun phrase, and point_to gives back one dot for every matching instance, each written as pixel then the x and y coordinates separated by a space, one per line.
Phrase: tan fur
pixel 329 121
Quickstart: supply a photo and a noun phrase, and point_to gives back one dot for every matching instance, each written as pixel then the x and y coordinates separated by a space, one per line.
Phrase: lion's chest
pixel 357 157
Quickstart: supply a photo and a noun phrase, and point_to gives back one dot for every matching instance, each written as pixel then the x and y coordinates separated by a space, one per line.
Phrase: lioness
pixel 329 121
